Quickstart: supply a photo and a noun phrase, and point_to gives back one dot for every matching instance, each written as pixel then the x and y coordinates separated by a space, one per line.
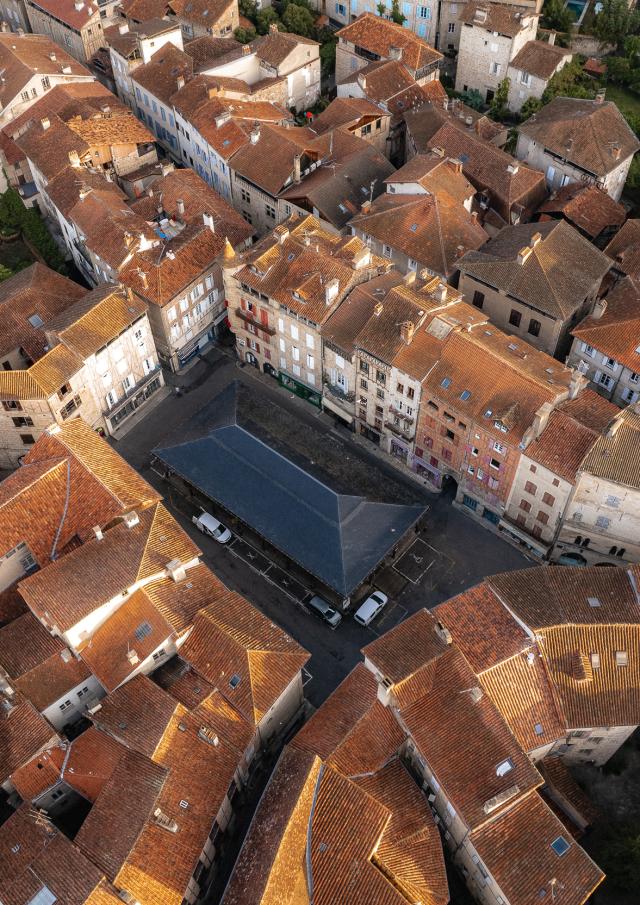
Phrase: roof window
pixel 622 658
pixel 235 680
pixel 593 601
pixel 44 896
pixel 504 767
pixel 538 729
pixel 36 321
pixel 142 631
pixel 465 394
pixel 413 227
pixel 560 846
pixel 446 382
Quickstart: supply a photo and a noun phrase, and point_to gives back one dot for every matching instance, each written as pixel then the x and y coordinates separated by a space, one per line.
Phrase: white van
pixel 212 527
pixel 373 605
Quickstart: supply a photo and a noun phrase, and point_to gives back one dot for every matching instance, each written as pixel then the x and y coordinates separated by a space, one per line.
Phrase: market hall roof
pixel 339 537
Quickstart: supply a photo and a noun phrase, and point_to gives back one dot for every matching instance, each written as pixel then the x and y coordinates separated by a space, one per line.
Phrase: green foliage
pixel 530 106
pixel 633 178
pixel 5 273
pixel 15 216
pixel 569 82
pixel 299 20
pixel 472 98
pixel 498 109
pixel 620 856
pixel 327 52
pixel 382 9
pixel 396 13
pixel 244 35
pixel 556 15
pixel 615 22
pixel 625 70
pixel 248 9
pixel 265 18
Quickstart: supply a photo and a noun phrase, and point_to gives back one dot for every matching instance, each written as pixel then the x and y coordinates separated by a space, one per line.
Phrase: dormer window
pixel 504 767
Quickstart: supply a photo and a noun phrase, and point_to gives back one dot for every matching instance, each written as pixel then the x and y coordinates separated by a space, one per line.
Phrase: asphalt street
pixel 452 553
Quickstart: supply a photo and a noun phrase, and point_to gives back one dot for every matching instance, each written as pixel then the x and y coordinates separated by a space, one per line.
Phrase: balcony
pixel 135 396
pixel 396 411
pixel 248 318
pixel 399 431
pixel 339 395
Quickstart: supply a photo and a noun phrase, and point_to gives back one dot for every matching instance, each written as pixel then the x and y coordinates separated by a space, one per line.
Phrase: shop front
pixel 300 389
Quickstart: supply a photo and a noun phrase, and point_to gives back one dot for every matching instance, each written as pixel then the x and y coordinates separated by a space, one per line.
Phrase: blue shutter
pixel 422 30
pixel 407 9
pixel 427 12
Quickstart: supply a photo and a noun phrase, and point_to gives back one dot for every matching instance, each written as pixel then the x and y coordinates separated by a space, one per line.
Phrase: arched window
pixel 586 542
pixel 613 551
pixel 578 539
pixel 621 551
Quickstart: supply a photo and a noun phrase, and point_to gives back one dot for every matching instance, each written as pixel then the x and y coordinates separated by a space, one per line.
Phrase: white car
pixel 373 605
pixel 212 527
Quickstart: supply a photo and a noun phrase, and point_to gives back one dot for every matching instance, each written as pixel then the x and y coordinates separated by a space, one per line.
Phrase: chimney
pixel 501 798
pixel 97 530
pixel 83 192
pixel 131 519
pixel 176 570
pixel 378 308
pixel 222 119
pixel 207 219
pixel 281 233
pixel 331 290
pixel 246 50
pixel 438 152
pixel 443 633
pixel 124 28
pixel 540 419
pixel 599 309
pixel 273 29
pixel 45 122
pixel 180 83
pixel 296 169
pixel 535 238
pixel 180 209
pixel 615 150
pixel 469 122
pixel 363 82
pixel 79 5
pixel 552 38
pixel 600 95
pixel 455 164
pixel 4 27
pixel 395 53
pixel 409 278
pixel 440 292
pixel 576 384
pixel 74 158
pixel 106 109
pixel 513 168
pixel 474 216
pixel 166 167
pixel 362 258
pixel 52 57
pixel 66 69
pixel 523 255
pixel 133 657
pixel 407 329
pixel 255 132
pixel 365 207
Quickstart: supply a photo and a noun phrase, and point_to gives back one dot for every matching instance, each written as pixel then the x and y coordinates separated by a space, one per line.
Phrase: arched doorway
pixel 251 359
pixel 269 369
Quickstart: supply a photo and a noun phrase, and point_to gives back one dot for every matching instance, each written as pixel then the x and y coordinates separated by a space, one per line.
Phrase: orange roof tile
pixel 624 249
pixel 379 36
pixel 23 733
pixel 93 757
pixel 136 714
pixel 40 773
pixel 617 333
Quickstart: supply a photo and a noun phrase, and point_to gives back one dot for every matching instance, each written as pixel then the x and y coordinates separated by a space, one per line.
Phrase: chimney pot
pixel 600 96
pixel 406 332
pixel 207 219
pixel 180 209
pixel 599 309
pixel 45 122
pixel 180 82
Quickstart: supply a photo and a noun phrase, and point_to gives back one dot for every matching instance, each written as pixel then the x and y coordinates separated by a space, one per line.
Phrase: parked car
pixel 326 612
pixel 373 605
pixel 212 527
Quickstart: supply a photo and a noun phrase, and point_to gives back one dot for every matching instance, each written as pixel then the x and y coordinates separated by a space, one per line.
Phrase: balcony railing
pixel 398 430
pixel 248 318
pixel 338 394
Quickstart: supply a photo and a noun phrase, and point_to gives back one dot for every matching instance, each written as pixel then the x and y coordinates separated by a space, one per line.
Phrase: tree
pixel 396 13
pixel 248 9
pixel 620 856
pixel 327 51
pixel 615 22
pixel 498 108
pixel 530 106
pixel 569 82
pixel 299 20
pixel 382 9
pixel 265 18
pixel 472 98
pixel 5 273
pixel 556 15
pixel 244 35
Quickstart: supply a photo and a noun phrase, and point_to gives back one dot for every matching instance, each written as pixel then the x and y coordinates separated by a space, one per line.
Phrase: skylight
pixel 504 767
pixel 142 631
pixel 465 394
pixel 560 846
pixel 593 601
pixel 235 680
pixel 44 896
pixel 36 321
pixel 413 227
pixel 446 382
pixel 538 729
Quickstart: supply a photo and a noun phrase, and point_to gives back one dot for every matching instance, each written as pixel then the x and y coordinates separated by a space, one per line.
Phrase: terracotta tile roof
pixel 560 784
pixel 525 872
pixel 588 207
pixel 93 458
pixel 116 127
pixel 93 757
pixel 590 134
pixel 23 733
pixel 23 55
pixel 35 291
pixel 449 708
pixel 125 639
pixel 40 773
pixel 93 321
pixel 207 51
pixel 159 274
pixel 268 162
pixel 487 168
pixel 570 432
pixel 624 249
pixel 614 457
pixel 67 11
pixel 71 588
pixel 199 198
pixel 104 894
pixel 434 230
pixel 179 602
pixel 160 75
pixel 379 36
pixel 318 257
pixel 437 175
pixel 346 322
pixel 384 80
pixel 125 803
pixel 183 683
pixel 352 731
pixel 126 43
pixel 617 333
pixel 426 118
pixel 539 58
pixel 49 149
pixel 143 10
pixel 64 189
pixel 200 12
pixel 561 269
pixel 35 856
pixel 11 604
pixel 347 112
pixel 404 650
pixel 275 47
pixel 231 639
pixel 136 714
pixel 496 17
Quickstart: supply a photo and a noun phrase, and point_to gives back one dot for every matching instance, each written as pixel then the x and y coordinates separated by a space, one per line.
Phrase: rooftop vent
pixel 131 519
pixel 498 800
pixel 97 530
pixel 209 736
pixel 443 633
pixel 133 657
pixel 176 570
pixel 164 821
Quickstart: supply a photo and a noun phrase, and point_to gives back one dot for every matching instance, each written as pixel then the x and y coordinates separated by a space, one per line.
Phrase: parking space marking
pixel 416 561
